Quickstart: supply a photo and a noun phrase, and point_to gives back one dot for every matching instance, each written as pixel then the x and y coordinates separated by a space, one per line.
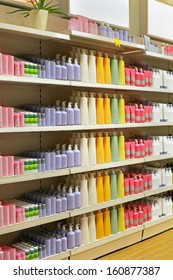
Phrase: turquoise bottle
pixel 114 70
pixel 114 147
pixel 113 184
pixel 114 220
pixel 114 109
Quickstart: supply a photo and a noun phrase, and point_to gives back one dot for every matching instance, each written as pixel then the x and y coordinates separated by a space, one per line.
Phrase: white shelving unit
pixel 40 42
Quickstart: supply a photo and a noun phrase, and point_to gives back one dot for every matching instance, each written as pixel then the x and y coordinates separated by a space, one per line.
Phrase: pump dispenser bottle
pixel 70 238
pixel 78 236
pixel 70 200
pixel 70 70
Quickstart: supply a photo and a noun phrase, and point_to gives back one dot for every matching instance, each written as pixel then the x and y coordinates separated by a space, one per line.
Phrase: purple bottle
pixel 58 244
pixel 64 242
pixel 52 160
pixel 47 158
pixel 78 236
pixel 58 204
pixel 47 68
pixel 48 206
pixel 77 196
pixel 102 30
pixel 70 114
pixel 77 119
pixel 70 238
pixel 58 114
pixel 48 246
pixel 77 156
pixel 63 114
pixel 47 113
pixel 77 75
pixel 70 156
pixel 53 245
pixel 64 199
pixel 70 200
pixel 109 32
pixel 52 116
pixel 63 157
pixel 53 205
pixel 58 71
pixel 70 70
pixel 52 69
pixel 58 159
pixel 64 68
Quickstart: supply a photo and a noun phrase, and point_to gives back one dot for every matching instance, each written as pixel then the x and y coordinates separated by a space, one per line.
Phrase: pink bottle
pixel 95 27
pixel 137 78
pixel 141 183
pixel 145 179
pixel 127 220
pixel 127 150
pixel 21 68
pixel 12 213
pixel 10 117
pixel 135 218
pixel 136 185
pixel 90 27
pixel 132 114
pixel 10 65
pixel 150 113
pixel 130 218
pixel 137 149
pixel 16 167
pixel 132 149
pixel 132 77
pixel 4 64
pixel 146 113
pixel 149 180
pixel 149 212
pixel 142 78
pixel 137 114
pixel 10 165
pixel 16 68
pixel 146 76
pixel 141 216
pixel 150 147
pixel 127 76
pixel 150 75
pixel 145 211
pixel 146 147
pixel 4 165
pixel 126 186
pixel 142 113
pixel 6 215
pixel 127 113
pixel 142 148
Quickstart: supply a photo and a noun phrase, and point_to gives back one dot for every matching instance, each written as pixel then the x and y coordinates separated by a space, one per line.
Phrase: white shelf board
pixel 158 56
pixel 158 221
pixel 34 176
pixel 160 157
pixel 60 256
pixel 34 223
pixel 105 240
pixel 32 32
pixel 159 190
pixel 82 127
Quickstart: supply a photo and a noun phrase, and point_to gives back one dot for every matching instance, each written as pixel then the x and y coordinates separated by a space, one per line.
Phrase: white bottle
pixel 92 193
pixel 84 66
pixel 92 67
pixel 160 206
pixel 84 150
pixel 163 200
pixel 92 109
pixel 154 180
pixel 155 113
pixel 84 228
pixel 84 191
pixel 84 109
pixel 163 177
pixel 156 147
pixel 92 227
pixel 92 149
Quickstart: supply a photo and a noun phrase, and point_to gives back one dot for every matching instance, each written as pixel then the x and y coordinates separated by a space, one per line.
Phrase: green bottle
pixel 113 184
pixel 114 220
pixel 114 70
pixel 114 110
pixel 114 147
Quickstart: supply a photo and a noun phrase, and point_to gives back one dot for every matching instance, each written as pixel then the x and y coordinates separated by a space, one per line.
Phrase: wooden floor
pixel 159 247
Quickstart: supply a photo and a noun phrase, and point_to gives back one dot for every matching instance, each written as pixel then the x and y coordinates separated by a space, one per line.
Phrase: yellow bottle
pixel 120 184
pixel 99 225
pixel 121 109
pixel 100 109
pixel 121 71
pixel 107 69
pixel 107 109
pixel 107 147
pixel 107 186
pixel 100 69
pixel 100 149
pixel 121 218
pixel 99 187
pixel 106 222
pixel 121 146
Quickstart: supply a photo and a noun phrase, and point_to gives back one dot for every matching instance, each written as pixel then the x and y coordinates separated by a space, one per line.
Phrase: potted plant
pixel 39 12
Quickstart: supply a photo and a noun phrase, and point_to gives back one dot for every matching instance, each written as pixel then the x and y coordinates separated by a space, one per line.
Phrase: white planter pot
pixel 38 19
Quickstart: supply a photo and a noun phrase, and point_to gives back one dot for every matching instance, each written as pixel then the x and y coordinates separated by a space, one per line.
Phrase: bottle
pixel 107 147
pixel 58 245
pixel 77 198
pixel 107 69
pixel 114 147
pixel 100 109
pixel 70 200
pixel 64 68
pixel 100 69
pixel 84 191
pixel 92 67
pixel 70 156
pixel 92 227
pixel 84 66
pixel 121 71
pixel 121 146
pixel 84 150
pixel 77 117
pixel 77 71
pixel 78 236
pixel 92 108
pixel 63 242
pixel 84 229
pixel 121 219
pixel 92 149
pixel 100 149
pixel 63 114
pixel 92 193
pixel 107 187
pixel 114 220
pixel 70 238
pixel 120 184
pixel 99 187
pixel 70 70
pixel 102 29
pixel 106 222
pixel 70 114
pixel 107 109
pixel 113 185
pixel 58 204
pixel 99 224
pixel 121 109
pixel 84 109
pixel 77 156
pixel 114 110
pixel 114 70
pixel 58 71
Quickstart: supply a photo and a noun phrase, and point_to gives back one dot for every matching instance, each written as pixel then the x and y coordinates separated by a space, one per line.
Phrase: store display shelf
pixel 34 176
pixel 34 223
pixel 158 56
pixel 82 127
pixel 32 32
pixel 78 37
pixel 61 256
pixel 158 191
pixel 160 157
pixel 158 221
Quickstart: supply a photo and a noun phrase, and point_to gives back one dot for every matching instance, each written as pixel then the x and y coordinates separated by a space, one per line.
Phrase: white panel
pixel 160 20
pixel 112 11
